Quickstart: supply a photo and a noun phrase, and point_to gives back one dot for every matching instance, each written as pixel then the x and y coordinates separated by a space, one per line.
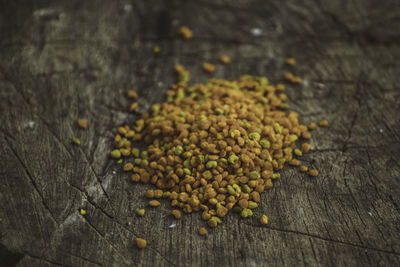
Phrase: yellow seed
pixel 264 219
pixel 313 172
pixel 132 94
pixel 312 126
pixel 185 32
pixel 83 212
pixel 156 49
pixel 133 106
pixel 154 203
pixel 82 123
pixel 128 167
pixel 323 123
pixel 141 243
pixel 177 214
pixel 290 61
pixel 303 168
pixel 209 67
pixel 225 59
pixel 305 147
pixel 202 231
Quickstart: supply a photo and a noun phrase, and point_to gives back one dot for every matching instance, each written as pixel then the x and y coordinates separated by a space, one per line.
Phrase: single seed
pixel 156 49
pixel 116 154
pixel 132 94
pixel 128 167
pixel 264 219
pixel 303 168
pixel 290 61
pixel 225 59
pixel 323 123
pixel 82 211
pixel 82 123
pixel 141 243
pixel 154 203
pixel 313 173
pixel 202 231
pixel 209 67
pixel 140 212
pixel 177 214
pixel 76 141
pixel 298 152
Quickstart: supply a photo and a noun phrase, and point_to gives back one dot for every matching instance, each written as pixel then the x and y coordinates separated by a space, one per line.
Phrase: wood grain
pixel 64 60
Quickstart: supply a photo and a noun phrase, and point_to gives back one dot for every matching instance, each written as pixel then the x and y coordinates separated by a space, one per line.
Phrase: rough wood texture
pixel 61 60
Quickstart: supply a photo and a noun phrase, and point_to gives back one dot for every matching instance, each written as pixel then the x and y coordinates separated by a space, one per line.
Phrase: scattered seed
pixel 323 123
pixel 177 214
pixel 82 211
pixel 185 32
pixel 76 141
pixel 303 168
pixel 141 243
pixel 202 231
pixel 154 203
pixel 264 219
pixel 209 67
pixel 313 172
pixel 225 59
pixel 290 61
pixel 140 212
pixel 82 123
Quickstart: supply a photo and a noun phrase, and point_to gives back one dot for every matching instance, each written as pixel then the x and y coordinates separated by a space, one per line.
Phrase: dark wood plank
pixel 61 60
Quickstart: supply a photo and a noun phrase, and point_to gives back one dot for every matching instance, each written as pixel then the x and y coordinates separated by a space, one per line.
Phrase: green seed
pixel 293 138
pixel 211 164
pixel 298 152
pixel 230 189
pixel 265 143
pixel 246 213
pixel 225 161
pixel 200 159
pixel 182 114
pixel 119 161
pixel 217 219
pixel 254 175
pixel 168 169
pixel 235 133
pixel 135 152
pixel 276 175
pixel 252 205
pixel 254 136
pixel 144 163
pixel 187 171
pixel 278 128
pixel 144 154
pixel 156 132
pixel 116 154
pixel 76 141
pixel 233 159
pixel 166 194
pixel 185 141
pixel 140 212
pixel 138 162
pixel 178 150
pixel 186 164
pixel 219 111
pixel 246 189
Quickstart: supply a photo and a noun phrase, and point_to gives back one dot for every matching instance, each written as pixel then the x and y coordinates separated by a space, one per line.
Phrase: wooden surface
pixel 61 60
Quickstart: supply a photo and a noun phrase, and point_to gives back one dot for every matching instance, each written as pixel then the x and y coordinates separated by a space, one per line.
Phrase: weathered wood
pixel 61 60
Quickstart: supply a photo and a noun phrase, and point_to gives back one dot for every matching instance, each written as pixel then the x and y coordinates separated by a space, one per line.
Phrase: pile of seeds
pixel 214 147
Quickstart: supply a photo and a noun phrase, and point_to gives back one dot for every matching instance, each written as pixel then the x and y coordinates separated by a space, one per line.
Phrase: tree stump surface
pixel 64 60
